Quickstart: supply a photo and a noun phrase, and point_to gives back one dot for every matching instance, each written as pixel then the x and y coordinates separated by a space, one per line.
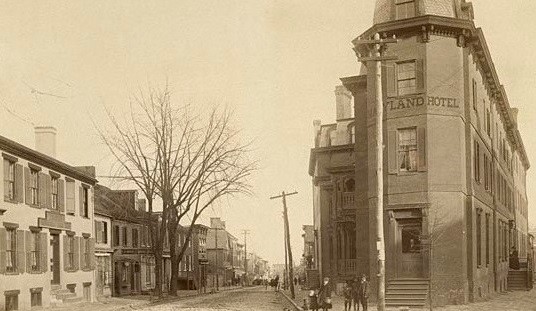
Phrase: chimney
pixel 343 99
pixel 45 140
pixel 514 112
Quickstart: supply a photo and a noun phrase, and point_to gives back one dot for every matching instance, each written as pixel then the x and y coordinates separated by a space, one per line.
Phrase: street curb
pixel 296 306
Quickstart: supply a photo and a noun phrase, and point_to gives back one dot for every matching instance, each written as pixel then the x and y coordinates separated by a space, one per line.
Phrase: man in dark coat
pixel 363 293
pixel 324 295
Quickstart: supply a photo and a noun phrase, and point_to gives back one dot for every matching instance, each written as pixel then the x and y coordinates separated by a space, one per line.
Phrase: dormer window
pixel 405 9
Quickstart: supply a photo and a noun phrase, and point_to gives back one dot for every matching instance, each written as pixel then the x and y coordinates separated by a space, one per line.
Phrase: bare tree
pixel 187 159
pixel 203 160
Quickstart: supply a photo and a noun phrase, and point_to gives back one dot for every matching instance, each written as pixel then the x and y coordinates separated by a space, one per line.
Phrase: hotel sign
pixel 419 101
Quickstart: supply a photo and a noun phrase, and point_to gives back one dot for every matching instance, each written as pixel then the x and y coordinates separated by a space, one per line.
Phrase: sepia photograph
pixel 225 155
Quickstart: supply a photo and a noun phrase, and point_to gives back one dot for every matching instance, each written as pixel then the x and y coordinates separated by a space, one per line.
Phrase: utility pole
pixel 374 48
pixel 245 232
pixel 287 237
pixel 285 276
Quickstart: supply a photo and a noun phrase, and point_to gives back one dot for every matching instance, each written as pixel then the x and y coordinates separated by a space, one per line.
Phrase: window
pixel 125 237
pixel 487 239
pixel 54 192
pixel 406 78
pixel 34 187
pixel 149 271
pixel 70 252
pixel 12 300
pixel 476 161
pixel 405 9
pixel 35 251
pixel 102 231
pixel 103 270
pixel 411 240
pixel 134 237
pixel 36 297
pixel 85 202
pixel 69 195
pixel 9 180
pixel 11 250
pixel 407 150
pixel 478 238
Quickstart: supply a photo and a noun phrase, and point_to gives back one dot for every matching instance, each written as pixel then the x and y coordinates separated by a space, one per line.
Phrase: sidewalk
pixel 510 301
pixel 134 302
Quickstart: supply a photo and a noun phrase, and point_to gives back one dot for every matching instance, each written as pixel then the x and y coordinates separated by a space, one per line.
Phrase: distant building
pixel 454 164
pixel 222 254
pixel 103 245
pixel 47 240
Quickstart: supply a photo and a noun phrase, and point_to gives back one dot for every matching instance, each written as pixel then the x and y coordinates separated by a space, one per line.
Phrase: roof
pixel 384 10
pixel 42 159
pixel 108 203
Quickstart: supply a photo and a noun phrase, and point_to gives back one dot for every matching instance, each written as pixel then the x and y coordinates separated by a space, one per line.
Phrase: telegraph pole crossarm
pixel 287 239
pixel 370 53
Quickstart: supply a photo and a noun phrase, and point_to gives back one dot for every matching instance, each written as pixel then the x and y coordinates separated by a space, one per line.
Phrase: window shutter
pixel 391 80
pixel 28 235
pixel 2 250
pixel 42 190
pixel 392 150
pixel 21 252
pixel 19 184
pixel 27 183
pixel 48 191
pixel 76 253
pixel 81 200
pixel 421 149
pixel 66 252
pixel 61 195
pixel 43 248
pixel 91 242
pixel 420 76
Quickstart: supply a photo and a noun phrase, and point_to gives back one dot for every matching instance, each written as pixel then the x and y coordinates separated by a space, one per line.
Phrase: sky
pixel 275 62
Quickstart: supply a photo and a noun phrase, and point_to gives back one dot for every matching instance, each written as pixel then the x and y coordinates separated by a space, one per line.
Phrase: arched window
pixel 351 133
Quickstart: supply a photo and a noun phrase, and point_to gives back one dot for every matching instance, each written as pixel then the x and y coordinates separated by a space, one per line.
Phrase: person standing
pixel 355 293
pixel 363 293
pixel 324 295
pixel 347 294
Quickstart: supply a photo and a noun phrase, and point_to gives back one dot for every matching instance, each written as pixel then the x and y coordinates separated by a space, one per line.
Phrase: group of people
pixel 355 293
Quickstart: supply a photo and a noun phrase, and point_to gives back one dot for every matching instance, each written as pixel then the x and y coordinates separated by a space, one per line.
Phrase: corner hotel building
pixel 454 162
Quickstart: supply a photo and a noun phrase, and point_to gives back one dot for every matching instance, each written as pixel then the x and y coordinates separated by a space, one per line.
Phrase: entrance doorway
pixel 409 250
pixel 55 258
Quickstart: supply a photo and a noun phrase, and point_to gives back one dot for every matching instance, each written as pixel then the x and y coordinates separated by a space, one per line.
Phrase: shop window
pixel 411 240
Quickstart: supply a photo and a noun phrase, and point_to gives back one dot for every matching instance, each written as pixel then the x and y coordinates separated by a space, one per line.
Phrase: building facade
pixel 127 265
pixel 454 166
pixel 46 231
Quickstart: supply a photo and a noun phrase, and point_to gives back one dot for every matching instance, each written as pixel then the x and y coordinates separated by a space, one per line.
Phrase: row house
pixel 193 266
pixel 126 263
pixel 46 226
pixel 454 168
pixel 221 248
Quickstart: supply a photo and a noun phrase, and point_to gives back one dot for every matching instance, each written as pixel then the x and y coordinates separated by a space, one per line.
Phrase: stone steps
pixel 407 293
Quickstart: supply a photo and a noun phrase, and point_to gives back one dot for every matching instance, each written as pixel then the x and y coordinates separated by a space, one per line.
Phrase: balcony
pixel 348 200
pixel 347 267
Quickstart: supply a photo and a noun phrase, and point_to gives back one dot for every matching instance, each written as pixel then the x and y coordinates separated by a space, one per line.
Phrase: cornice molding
pixel 38 158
